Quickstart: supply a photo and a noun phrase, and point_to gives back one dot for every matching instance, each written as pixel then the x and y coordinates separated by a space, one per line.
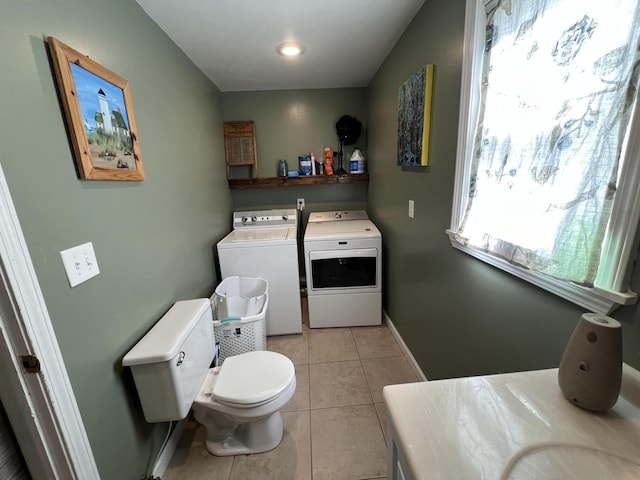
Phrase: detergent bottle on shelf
pixel 356 162
pixel 328 161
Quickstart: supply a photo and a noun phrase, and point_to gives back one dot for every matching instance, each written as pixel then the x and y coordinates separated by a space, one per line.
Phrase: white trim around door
pixel 41 406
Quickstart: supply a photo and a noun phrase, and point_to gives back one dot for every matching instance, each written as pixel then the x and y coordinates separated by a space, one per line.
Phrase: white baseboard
pixel 404 347
pixel 169 449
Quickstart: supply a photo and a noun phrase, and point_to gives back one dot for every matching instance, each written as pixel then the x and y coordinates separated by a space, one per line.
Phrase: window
pixel 548 172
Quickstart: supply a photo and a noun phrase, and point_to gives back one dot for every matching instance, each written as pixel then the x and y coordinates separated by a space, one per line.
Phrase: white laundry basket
pixel 239 308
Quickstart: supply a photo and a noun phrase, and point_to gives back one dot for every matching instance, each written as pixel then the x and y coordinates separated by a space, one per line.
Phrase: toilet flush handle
pixel 180 359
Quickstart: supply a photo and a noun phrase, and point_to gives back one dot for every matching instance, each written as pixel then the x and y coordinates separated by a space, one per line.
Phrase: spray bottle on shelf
pixel 313 163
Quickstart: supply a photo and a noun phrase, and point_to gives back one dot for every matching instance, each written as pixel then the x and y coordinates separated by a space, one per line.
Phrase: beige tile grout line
pixel 310 438
pixel 373 403
pixel 306 335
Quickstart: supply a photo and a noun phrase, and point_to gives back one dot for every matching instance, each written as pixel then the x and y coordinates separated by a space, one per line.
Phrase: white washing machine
pixel 264 244
pixel 343 262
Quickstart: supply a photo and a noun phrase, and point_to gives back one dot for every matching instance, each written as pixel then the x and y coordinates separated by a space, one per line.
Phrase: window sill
pixel 593 299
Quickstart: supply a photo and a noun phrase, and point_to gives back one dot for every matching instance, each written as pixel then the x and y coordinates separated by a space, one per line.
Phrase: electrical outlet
pixel 411 209
pixel 80 263
pixel 301 204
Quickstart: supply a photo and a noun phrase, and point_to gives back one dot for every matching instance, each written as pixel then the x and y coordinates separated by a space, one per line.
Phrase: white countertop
pixel 515 425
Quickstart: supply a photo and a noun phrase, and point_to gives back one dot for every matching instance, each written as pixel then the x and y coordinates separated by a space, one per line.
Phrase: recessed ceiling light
pixel 290 49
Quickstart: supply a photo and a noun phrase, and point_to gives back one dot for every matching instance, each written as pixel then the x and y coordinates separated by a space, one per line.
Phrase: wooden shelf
pixel 269 182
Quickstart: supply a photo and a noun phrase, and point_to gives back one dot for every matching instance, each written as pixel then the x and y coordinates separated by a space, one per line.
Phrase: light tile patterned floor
pixel 335 424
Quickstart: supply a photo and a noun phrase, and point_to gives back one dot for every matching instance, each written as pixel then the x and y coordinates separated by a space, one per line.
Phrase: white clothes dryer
pixel 264 244
pixel 343 262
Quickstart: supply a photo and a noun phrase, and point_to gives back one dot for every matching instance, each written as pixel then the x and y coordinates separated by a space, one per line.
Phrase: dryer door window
pixel 344 269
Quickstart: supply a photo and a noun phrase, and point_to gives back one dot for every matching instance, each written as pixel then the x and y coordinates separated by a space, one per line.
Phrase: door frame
pixel 41 407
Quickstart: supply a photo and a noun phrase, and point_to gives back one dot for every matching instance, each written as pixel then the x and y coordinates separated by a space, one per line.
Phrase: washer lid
pixel 260 234
pixel 253 377
pixel 261 237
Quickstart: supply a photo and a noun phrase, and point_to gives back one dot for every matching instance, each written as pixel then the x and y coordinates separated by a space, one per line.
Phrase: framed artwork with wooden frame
pixel 99 113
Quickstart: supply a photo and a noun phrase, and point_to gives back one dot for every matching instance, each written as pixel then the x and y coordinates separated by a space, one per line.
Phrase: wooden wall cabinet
pixel 240 146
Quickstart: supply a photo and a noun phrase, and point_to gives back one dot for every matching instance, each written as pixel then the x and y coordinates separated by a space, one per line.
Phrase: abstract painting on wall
pixel 414 118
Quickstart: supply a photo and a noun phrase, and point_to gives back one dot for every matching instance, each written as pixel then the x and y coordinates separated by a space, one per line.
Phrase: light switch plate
pixel 411 209
pixel 80 263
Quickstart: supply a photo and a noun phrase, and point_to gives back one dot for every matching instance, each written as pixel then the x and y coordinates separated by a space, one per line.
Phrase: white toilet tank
pixel 171 361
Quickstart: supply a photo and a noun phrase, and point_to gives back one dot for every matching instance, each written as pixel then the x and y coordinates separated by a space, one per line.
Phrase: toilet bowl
pixel 238 403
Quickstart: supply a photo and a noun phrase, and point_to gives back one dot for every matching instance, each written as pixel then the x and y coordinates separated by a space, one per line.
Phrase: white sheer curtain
pixel 559 82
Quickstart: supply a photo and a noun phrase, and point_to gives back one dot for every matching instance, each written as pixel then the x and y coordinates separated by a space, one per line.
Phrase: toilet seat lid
pixel 253 377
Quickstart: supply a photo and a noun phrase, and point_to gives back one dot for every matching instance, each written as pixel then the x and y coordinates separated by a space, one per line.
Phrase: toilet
pixel 238 403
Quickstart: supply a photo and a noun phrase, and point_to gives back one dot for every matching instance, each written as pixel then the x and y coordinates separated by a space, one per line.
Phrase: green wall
pixel 458 315
pixel 153 239
pixel 291 123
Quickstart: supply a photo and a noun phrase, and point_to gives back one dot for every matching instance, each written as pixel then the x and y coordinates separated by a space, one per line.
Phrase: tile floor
pixel 335 424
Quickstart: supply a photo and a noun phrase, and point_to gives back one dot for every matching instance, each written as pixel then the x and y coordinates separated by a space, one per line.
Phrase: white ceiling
pixel 234 41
